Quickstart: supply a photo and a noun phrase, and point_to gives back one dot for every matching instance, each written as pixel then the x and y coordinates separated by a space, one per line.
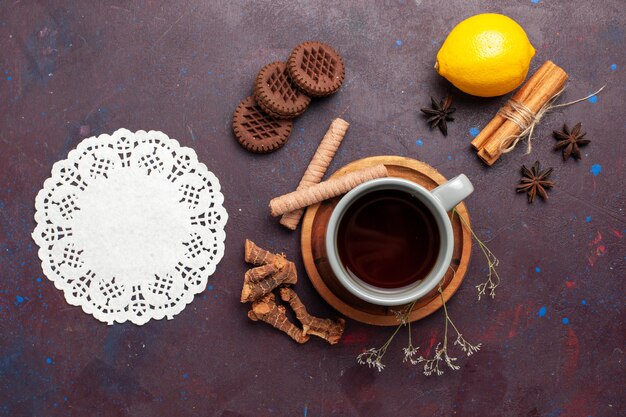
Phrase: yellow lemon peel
pixel 485 55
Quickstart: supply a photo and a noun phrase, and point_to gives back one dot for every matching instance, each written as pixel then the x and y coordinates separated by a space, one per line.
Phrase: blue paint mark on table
pixel 565 320
pixel 419 143
pixel 542 311
pixel 613 67
pixel 593 99
pixel 588 219
pixel 474 131
pixel 596 169
pixel 537 269
pixel 398 42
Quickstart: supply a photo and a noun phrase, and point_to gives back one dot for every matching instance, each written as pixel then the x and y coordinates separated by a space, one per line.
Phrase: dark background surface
pixel 553 338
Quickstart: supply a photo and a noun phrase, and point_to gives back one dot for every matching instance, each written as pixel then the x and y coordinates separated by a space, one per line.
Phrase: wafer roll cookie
pixel 318 165
pixel 325 190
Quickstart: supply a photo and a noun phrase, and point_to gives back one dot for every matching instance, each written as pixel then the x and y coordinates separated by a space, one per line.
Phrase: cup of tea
pixel 389 241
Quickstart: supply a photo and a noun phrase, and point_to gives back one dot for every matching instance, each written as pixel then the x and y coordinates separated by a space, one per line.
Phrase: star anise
pixel 570 141
pixel 439 114
pixel 535 181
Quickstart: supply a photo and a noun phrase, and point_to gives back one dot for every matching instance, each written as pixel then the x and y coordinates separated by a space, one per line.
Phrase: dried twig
pixel 493 278
pixel 431 366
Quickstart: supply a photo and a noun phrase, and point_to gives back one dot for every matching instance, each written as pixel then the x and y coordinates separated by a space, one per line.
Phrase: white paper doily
pixel 130 226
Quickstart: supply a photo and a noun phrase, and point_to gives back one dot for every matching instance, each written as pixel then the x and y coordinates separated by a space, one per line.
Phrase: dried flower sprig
pixel 432 366
pixel 373 356
pixel 410 351
pixel 402 315
pixel 441 352
pixel 492 282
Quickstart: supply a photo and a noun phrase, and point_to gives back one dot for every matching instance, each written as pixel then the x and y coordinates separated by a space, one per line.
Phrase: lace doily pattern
pixel 130 226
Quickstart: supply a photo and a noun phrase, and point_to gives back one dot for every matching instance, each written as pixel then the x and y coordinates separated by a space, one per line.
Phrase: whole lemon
pixel 485 55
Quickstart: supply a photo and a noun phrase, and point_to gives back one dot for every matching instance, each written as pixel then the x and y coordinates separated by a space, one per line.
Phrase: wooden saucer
pixel 316 263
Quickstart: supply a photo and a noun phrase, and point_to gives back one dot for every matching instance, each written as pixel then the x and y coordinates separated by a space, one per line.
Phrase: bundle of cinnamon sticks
pixel 519 112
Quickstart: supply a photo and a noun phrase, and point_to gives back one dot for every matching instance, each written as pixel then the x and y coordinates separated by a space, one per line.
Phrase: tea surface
pixel 388 239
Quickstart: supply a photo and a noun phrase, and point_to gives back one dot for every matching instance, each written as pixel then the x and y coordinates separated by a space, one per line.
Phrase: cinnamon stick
pixel 553 83
pixel 318 165
pixel 534 95
pixel 521 96
pixel 325 190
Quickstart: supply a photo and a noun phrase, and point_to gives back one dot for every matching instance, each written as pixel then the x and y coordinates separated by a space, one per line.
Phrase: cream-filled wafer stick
pixel 325 190
pixel 318 165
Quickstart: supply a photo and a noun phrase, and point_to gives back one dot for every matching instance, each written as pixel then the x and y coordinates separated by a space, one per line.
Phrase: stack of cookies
pixel 282 91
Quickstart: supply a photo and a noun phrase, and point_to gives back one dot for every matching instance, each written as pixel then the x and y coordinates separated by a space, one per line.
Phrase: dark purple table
pixel 553 338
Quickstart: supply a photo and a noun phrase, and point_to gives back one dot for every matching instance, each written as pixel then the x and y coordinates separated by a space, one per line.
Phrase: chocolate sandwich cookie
pixel 277 95
pixel 316 68
pixel 256 131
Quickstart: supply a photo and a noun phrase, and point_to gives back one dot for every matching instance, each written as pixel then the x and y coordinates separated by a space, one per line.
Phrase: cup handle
pixel 453 192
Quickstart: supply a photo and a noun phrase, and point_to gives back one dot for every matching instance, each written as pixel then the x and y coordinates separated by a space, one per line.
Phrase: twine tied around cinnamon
pixel 526 119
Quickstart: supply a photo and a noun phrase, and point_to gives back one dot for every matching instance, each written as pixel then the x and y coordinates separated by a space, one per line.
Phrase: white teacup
pixel 438 201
